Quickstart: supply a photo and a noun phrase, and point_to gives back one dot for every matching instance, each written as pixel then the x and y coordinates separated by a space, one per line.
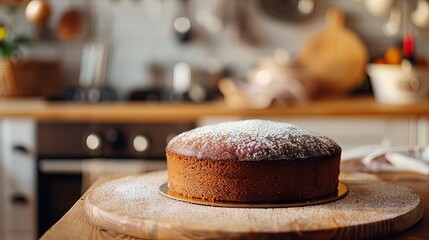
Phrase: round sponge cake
pixel 252 161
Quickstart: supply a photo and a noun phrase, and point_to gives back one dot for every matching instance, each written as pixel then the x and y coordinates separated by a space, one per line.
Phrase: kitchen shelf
pixel 172 112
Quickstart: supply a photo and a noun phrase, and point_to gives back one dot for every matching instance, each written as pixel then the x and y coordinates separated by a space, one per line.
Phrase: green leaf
pixel 9 47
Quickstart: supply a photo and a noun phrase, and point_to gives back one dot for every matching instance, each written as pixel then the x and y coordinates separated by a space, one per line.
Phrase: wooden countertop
pixel 134 111
pixel 75 224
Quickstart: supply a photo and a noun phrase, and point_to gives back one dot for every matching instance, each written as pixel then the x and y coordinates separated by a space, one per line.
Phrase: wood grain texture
pixel 133 206
pixel 169 112
pixel 76 224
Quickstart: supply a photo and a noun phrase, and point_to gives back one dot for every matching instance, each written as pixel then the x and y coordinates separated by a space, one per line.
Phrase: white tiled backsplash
pixel 141 33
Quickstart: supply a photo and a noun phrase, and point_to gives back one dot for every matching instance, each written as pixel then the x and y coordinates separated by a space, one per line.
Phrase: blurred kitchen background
pixel 140 38
pixel 226 59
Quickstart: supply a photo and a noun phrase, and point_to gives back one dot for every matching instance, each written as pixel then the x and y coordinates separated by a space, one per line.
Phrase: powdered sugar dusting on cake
pixel 252 140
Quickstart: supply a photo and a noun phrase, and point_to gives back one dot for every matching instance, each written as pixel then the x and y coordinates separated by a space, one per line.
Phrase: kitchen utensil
pixel 93 65
pixel 420 16
pixel 240 95
pixel 274 79
pixel 182 23
pixel 242 24
pixel 182 76
pixel 92 78
pixel 290 10
pixel 133 206
pixel 335 57
pixel 188 84
pixel 393 25
pixel 38 12
pixel 394 84
pixel 70 25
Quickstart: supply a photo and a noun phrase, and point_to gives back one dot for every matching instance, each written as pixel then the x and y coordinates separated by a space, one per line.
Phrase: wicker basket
pixel 30 78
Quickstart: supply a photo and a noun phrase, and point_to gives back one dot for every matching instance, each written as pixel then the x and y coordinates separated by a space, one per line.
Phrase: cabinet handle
pixel 21 149
pixel 19 199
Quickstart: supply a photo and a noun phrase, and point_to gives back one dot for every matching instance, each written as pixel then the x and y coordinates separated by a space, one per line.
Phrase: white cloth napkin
pixel 410 158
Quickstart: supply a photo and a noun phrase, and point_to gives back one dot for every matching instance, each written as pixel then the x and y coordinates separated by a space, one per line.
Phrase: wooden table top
pixel 155 111
pixel 76 225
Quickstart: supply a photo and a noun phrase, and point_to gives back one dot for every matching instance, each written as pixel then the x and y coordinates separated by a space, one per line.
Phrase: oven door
pixel 61 182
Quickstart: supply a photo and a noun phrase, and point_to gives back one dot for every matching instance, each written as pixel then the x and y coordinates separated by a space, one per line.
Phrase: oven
pixel 70 156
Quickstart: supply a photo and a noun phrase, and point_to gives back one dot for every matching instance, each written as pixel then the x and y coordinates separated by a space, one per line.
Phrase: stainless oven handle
pixel 60 166
pixel 74 166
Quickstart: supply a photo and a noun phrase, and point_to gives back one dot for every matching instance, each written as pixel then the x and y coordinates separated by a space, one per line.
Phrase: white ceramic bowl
pixel 392 84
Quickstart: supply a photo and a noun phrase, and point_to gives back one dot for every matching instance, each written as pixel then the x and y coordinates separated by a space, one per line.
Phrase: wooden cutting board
pixel 335 57
pixel 372 209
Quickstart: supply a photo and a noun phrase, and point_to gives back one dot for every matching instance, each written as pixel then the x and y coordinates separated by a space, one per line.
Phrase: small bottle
pixel 408 41
pixel 408 48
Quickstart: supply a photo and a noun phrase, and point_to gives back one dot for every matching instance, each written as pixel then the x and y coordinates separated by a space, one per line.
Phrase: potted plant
pixel 10 44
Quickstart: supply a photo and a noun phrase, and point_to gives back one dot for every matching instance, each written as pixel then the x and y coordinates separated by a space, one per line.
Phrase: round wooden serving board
pixel 134 206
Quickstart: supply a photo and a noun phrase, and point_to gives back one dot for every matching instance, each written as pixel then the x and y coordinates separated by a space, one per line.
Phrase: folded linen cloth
pixel 412 159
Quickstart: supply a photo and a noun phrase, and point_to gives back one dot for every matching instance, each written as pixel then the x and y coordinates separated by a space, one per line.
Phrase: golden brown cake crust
pixel 252 181
pixel 252 161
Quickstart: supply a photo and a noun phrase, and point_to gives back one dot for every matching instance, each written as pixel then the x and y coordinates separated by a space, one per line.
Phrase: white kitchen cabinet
pixel 351 132
pixel 19 235
pixel 18 159
pixel 423 131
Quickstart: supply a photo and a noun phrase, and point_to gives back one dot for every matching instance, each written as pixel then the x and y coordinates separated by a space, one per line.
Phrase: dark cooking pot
pixel 290 10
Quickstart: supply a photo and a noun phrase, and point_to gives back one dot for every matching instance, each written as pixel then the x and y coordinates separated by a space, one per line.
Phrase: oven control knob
pixel 93 141
pixel 141 143
pixel 115 138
